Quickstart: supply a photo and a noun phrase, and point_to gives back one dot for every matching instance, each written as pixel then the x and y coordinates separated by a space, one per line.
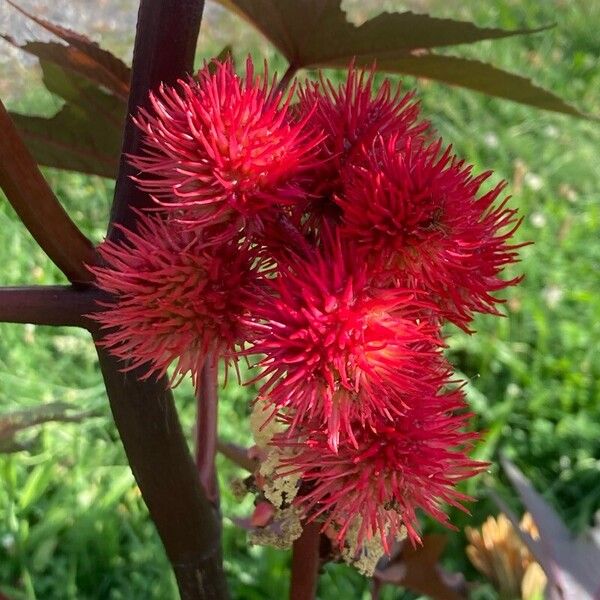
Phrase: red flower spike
pixel 334 242
pixel 175 299
pixel 337 350
pixel 351 117
pixel 221 148
pixel 395 470
pixel 418 213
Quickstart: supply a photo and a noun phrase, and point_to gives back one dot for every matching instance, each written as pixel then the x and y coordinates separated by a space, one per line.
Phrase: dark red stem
pixel 291 237
pixel 237 454
pixel 206 428
pixel 165 43
pixel 306 563
pixel 285 81
pixel 159 457
pixel 38 207
pixel 48 305
pixel 143 410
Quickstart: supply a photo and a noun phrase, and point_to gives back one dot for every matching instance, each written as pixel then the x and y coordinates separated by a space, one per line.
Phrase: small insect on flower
pixel 175 299
pixel 222 149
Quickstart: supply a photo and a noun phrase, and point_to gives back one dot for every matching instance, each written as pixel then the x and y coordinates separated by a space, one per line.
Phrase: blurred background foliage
pixel 72 523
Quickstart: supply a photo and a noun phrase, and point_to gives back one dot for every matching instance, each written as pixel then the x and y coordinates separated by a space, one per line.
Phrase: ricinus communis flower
pixel 221 150
pixel 332 239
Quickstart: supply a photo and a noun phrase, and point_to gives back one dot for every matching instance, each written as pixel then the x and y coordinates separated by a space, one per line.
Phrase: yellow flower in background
pixel 497 551
pixel 534 582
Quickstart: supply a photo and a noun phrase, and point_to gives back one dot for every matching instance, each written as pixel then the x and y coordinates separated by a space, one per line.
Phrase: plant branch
pixel 207 399
pixel 38 207
pixel 48 305
pixel 284 82
pixel 237 454
pixel 306 563
pixel 289 238
pixel 165 44
pixel 159 457
pixel 144 411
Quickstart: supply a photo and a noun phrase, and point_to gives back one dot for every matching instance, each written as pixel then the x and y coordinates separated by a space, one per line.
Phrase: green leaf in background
pixel 37 482
pixel 315 33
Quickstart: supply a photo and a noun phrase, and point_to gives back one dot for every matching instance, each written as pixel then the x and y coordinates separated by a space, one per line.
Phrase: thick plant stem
pixel 237 455
pixel 207 399
pixel 164 48
pixel 166 475
pixel 48 305
pixel 306 563
pixel 37 206
pixel 144 411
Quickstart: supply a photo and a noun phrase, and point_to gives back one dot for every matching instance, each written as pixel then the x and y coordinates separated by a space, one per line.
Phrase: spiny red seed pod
pixel 175 300
pixel 332 242
pixel 337 350
pixel 395 470
pixel 419 213
pixel 351 117
pixel 221 148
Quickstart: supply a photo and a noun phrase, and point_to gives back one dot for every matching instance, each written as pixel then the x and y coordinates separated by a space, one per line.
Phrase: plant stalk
pixel 143 410
pixel 306 563
pixel 37 206
pixel 207 399
pixel 165 43
pixel 48 305
pixel 237 455
pixel 162 465
pixel 285 81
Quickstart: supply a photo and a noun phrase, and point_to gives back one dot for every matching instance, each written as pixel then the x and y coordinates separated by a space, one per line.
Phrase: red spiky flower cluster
pixel 221 149
pixel 331 239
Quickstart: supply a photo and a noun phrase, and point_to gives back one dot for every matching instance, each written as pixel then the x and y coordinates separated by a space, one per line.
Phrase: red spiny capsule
pixel 418 213
pixel 351 117
pixel 335 242
pixel 174 300
pixel 222 148
pixel 395 470
pixel 337 350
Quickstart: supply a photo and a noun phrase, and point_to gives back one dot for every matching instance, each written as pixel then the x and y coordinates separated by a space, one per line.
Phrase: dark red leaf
pixel 85 135
pixel 480 77
pixel 81 55
pixel 315 33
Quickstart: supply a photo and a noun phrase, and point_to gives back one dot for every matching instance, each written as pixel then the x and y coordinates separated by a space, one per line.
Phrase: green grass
pixel 72 523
